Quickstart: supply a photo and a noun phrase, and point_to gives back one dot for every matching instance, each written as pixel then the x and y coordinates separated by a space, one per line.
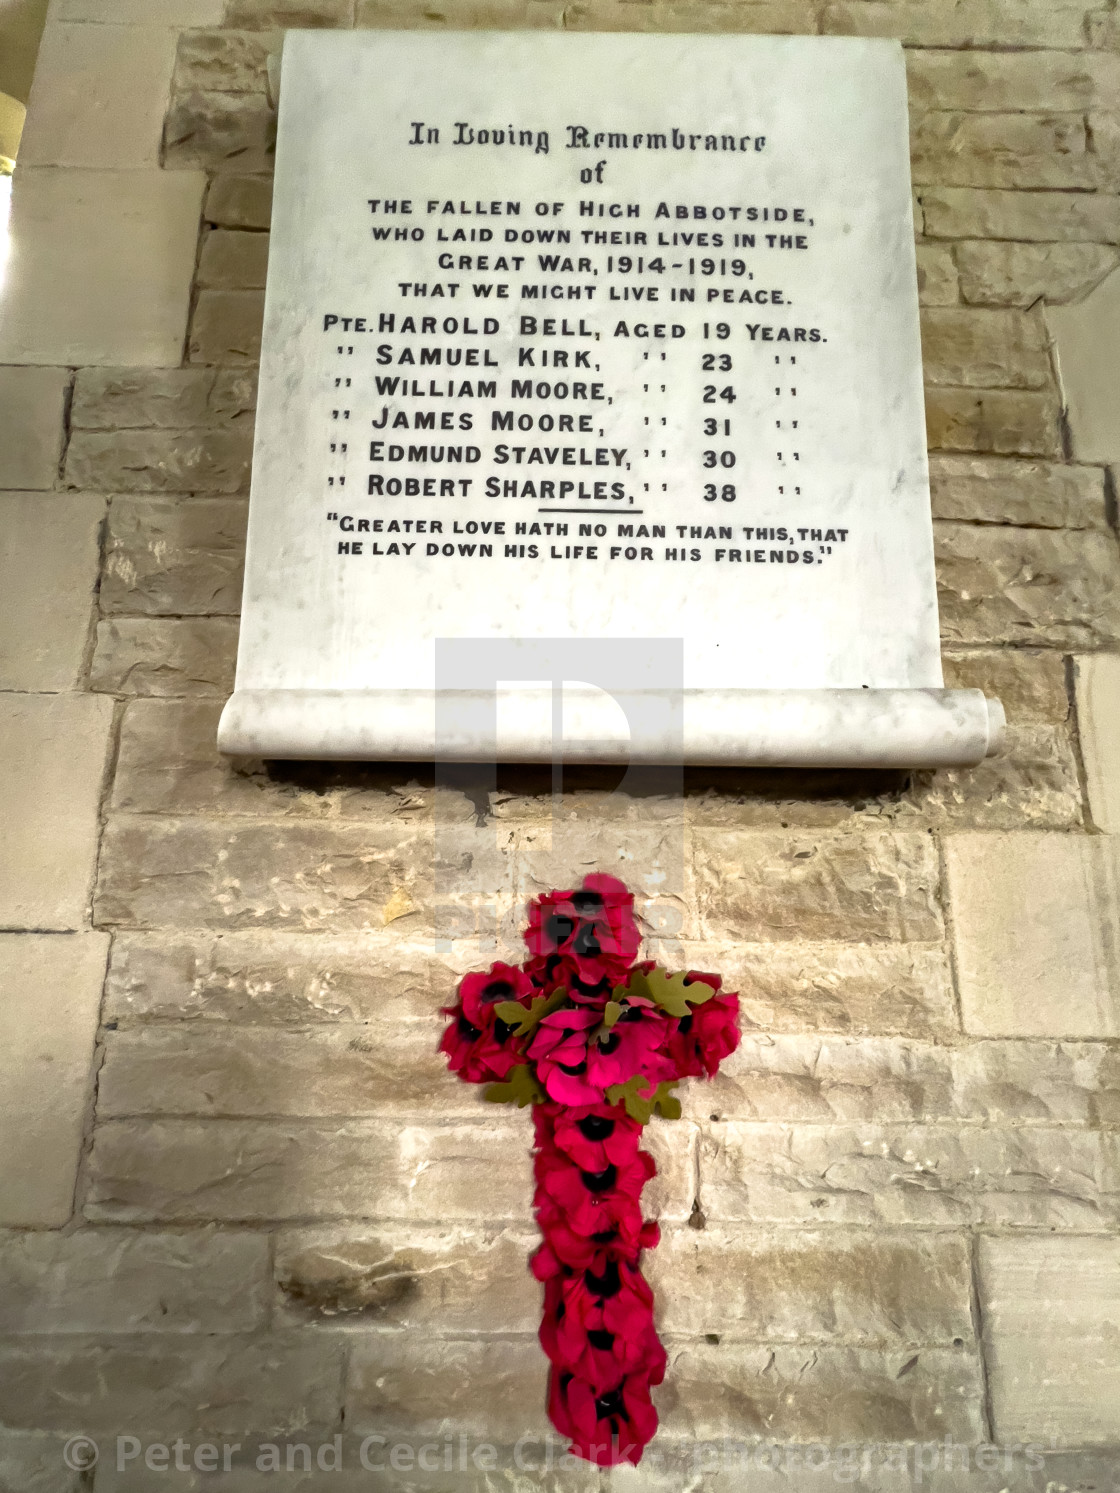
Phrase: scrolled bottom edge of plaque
pixel 834 728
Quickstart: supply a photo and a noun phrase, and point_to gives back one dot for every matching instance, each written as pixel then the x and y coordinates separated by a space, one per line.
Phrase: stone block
pixel 832 987
pixel 165 656
pixel 52 761
pixel 937 276
pixel 778 17
pixel 1054 587
pixel 1033 921
pixel 1001 490
pixel 959 23
pixel 140 12
pixel 1033 217
pixel 1031 683
pixel 820 1394
pixel 50 993
pixel 226 326
pixel 175 557
pixel 101 266
pixel 168 762
pixel 924 1176
pixel 1085 344
pixel 31 417
pixel 32 1462
pixel 1083 172
pixel 239 201
pixel 854 888
pixel 404 1385
pixel 1007 422
pixel 229 1384
pixel 819 1079
pixel 260 1170
pixel 117 399
pixel 204 461
pixel 984 349
pixel 1052 1338
pixel 1032 782
pixel 471 14
pixel 279 978
pixel 1098 724
pixel 1069 1083
pixel 1009 274
pixel 131 1281
pixel 48 577
pixel 1009 80
pixel 650 859
pixel 420 1281
pixel 950 149
pixel 225 61
pixel 285 13
pixel 823 1286
pixel 233 259
pixel 99 96
pixel 220 132
pixel 254 1072
pixel 301 875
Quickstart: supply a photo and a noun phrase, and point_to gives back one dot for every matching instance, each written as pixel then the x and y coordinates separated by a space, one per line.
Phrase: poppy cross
pixel 595 1043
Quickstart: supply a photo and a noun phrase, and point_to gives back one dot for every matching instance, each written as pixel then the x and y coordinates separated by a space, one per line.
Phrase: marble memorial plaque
pixel 594 339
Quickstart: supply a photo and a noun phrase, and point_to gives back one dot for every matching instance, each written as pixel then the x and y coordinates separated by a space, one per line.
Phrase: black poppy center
pixel 599 1337
pixel 595 1127
pixel 467 1031
pixel 559 928
pixel 575 1069
pixel 685 1025
pixel 611 1042
pixel 585 988
pixel 600 1181
pixel 609 1404
pixel 604 1236
pixel 586 902
pixel 497 990
pixel 502 1029
pixel 586 945
pixel 607 1284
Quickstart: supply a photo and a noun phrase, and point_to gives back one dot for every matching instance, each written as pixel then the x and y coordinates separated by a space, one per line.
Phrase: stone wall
pixel 240 1196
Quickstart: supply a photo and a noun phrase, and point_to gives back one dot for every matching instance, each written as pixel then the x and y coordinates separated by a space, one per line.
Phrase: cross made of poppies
pixel 596 1043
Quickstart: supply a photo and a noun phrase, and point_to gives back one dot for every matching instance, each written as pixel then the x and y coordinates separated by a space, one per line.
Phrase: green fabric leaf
pixel 641 1106
pixel 521 1088
pixel 673 994
pixel 611 1012
pixel 526 1019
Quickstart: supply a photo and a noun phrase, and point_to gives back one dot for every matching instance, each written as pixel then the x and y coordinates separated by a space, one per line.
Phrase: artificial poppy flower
pixel 480 1046
pixel 606 1428
pixel 636 1044
pixel 595 1135
pixel 559 1050
pixel 593 930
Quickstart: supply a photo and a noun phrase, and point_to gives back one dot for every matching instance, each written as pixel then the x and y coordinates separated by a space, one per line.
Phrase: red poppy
pixel 595 1135
pixel 606 1428
pixel 479 1045
pixel 559 1050
pixel 593 930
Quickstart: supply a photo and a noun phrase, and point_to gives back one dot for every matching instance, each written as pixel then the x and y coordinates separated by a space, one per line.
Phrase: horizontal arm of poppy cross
pixel 596 1043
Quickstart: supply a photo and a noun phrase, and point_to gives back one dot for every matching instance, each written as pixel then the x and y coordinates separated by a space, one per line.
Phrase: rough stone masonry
pixel 233 1209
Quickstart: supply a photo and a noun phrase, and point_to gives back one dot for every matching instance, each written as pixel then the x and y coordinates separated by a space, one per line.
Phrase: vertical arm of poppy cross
pixel 595 1042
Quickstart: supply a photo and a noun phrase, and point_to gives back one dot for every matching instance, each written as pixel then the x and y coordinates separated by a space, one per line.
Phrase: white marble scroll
pixel 596 337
